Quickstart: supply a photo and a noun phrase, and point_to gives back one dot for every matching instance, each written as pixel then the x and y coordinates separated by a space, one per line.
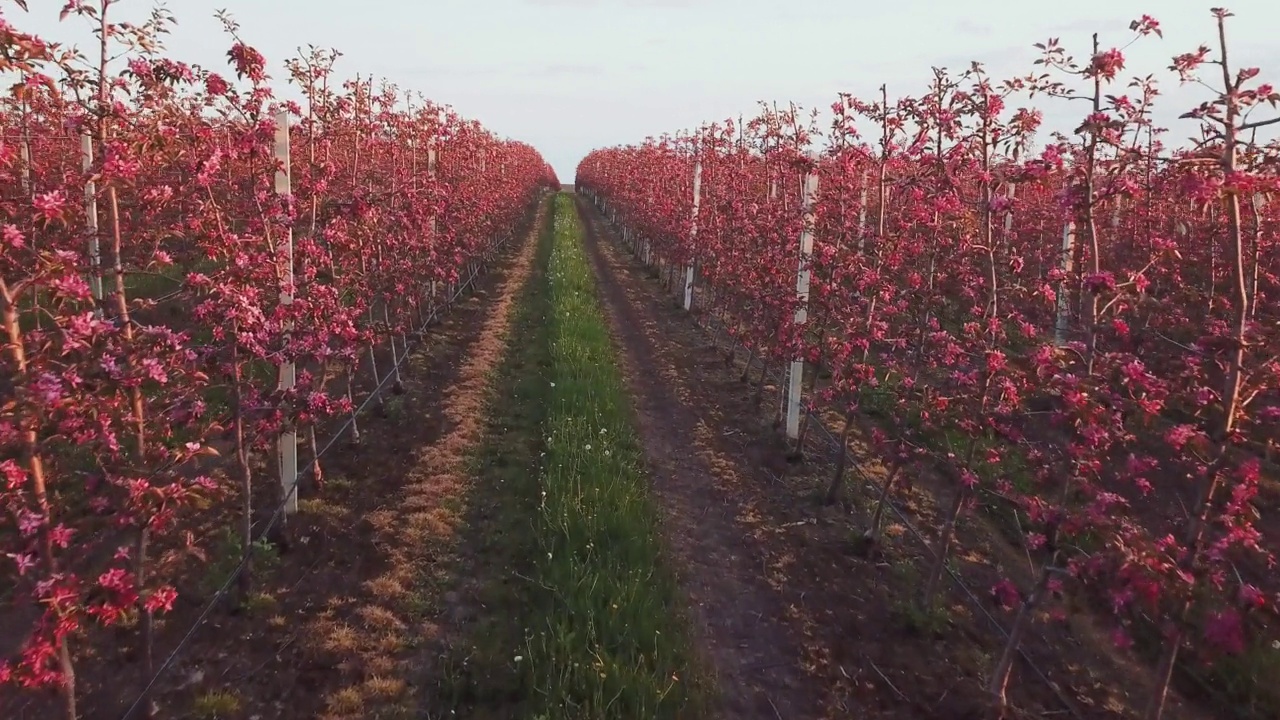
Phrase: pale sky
pixel 568 76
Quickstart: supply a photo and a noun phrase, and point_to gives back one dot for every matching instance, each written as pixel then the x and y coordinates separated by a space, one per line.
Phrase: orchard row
pixel 1083 329
pixel 197 278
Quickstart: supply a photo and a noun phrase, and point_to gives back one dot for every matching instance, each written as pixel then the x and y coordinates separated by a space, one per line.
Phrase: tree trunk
pixel 1004 668
pixel 837 477
pixel 944 549
pixel 873 532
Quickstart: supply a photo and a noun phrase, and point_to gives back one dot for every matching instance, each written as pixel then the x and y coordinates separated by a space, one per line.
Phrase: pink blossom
pixel 50 204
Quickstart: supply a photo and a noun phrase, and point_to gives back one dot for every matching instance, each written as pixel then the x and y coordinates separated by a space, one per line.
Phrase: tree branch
pixel 1260 123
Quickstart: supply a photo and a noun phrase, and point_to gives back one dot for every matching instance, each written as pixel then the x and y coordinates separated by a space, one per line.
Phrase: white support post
pixel 1008 216
pixel 1064 304
pixel 24 155
pixel 862 214
pixel 413 173
pixel 431 173
pixel 794 384
pixel 642 243
pixel 784 397
pixel 1259 206
pixel 24 159
pixel 693 235
pixel 91 222
pixel 289 438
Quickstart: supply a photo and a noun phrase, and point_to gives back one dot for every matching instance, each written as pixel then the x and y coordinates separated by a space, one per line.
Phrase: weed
pixel 347 701
pixel 216 705
pixel 261 603
pixel 394 406
pixel 227 554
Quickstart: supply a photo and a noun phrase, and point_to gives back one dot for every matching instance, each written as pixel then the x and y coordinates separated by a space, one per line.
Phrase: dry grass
pixel 380 666
pixel 216 705
pixel 389 586
pixel 376 617
pixel 346 702
pixel 339 639
pixel 385 687
pixel 321 509
pixel 374 632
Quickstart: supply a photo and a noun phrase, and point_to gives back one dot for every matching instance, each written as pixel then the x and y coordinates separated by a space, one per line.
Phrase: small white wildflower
pixel 588 446
pixel 518 658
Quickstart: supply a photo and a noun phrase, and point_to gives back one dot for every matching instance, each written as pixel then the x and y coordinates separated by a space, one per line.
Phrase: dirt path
pixel 739 620
pixel 389 525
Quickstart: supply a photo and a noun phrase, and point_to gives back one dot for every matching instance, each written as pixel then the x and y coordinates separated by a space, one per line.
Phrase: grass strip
pixel 581 618
pixel 610 639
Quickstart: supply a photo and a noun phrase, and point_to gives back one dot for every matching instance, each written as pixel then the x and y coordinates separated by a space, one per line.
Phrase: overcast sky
pixel 571 75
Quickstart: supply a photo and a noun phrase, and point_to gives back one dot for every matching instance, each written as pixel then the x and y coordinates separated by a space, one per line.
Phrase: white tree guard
pixel 693 235
pixel 24 157
pixel 431 173
pixel 794 386
pixel 288 448
pixel 91 222
pixel 862 214
pixel 1064 305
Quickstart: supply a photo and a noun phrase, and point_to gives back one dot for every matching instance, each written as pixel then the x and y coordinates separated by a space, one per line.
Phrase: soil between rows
pixel 739 621
pixel 832 631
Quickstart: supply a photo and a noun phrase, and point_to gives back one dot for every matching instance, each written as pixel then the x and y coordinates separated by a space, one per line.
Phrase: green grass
pixel 612 641
pixel 216 705
pixel 582 617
